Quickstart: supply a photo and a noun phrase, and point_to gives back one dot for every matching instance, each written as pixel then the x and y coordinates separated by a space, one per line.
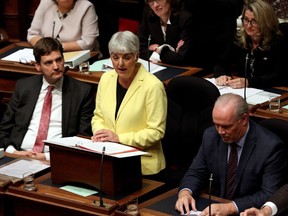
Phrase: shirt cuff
pixel 187 189
pixel 272 206
pixel 47 155
pixel 10 149
pixel 236 207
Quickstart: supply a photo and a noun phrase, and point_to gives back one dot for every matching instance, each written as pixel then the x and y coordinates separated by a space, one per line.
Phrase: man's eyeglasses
pixel 151 2
pixel 252 22
pixel 26 62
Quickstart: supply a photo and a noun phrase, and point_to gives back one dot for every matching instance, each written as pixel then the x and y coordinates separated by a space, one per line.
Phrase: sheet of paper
pixel 25 53
pixel 194 213
pixel 106 65
pixel 79 190
pixel 19 167
pixel 227 89
pixel 260 97
pixel 111 148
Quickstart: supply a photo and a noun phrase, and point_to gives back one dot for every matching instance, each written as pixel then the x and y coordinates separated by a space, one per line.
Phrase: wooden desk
pixel 51 200
pixel 168 199
pixel 11 71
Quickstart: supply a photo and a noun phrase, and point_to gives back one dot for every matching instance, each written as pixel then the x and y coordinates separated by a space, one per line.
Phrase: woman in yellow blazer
pixel 131 104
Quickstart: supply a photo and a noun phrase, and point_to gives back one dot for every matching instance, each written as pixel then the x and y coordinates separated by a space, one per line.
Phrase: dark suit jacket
pixel 77 109
pixel 280 198
pixel 182 27
pixel 259 173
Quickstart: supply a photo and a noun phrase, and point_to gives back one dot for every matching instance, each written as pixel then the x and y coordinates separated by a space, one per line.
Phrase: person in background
pixel 73 22
pixel 131 104
pixel 216 22
pixel 167 32
pixel 259 52
pixel 276 205
pixel 259 157
pixel 71 107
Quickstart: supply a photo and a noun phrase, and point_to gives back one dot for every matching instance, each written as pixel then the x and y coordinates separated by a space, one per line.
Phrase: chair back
pixel 190 104
pixel 280 128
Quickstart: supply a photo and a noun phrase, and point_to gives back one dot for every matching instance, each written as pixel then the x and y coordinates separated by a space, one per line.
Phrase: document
pixel 253 96
pixel 106 65
pixel 72 59
pixel 79 190
pixel 194 213
pixel 20 166
pixel 25 54
pixel 111 148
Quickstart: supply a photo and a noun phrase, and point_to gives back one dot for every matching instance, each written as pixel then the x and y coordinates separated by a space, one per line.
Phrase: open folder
pixel 111 148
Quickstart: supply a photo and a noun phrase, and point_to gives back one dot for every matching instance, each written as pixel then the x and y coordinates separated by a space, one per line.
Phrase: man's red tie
pixel 231 171
pixel 44 121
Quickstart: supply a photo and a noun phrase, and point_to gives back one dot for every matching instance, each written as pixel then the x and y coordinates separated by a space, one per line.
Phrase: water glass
pixel 84 67
pixel 28 182
pixel 274 104
pixel 132 206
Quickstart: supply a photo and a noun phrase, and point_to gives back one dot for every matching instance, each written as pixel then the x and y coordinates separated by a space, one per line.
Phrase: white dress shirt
pixel 55 125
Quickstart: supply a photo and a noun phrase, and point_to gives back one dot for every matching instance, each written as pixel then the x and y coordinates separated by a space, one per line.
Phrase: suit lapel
pixel 223 165
pixel 66 104
pixel 247 151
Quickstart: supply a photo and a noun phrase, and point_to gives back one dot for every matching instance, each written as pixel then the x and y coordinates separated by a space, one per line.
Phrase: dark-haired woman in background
pixel 167 30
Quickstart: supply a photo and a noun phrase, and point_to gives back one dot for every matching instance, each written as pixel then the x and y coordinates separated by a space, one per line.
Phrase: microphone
pixel 149 41
pixel 210 185
pixel 53 28
pixel 245 74
pixel 101 175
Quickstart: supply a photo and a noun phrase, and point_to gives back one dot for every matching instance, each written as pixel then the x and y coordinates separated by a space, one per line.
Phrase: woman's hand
pixel 104 135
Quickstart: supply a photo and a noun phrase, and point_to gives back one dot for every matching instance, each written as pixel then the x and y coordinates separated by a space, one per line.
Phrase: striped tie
pixel 231 171
pixel 44 121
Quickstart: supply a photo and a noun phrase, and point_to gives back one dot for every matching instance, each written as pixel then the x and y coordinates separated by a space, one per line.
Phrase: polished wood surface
pixel 145 210
pixel 120 175
pixel 59 202
pixel 50 199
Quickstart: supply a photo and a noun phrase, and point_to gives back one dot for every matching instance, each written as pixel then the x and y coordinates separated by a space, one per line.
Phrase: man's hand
pixel 222 209
pixel 265 211
pixel 185 200
pixel 31 154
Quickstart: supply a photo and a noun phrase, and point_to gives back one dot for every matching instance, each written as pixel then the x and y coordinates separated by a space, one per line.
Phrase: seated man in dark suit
pixel 276 204
pixel 71 106
pixel 247 161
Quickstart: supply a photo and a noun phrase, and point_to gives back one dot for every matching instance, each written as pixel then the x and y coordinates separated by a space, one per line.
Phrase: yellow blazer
pixel 141 118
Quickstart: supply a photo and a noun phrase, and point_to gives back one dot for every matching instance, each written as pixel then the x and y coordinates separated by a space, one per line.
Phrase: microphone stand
pixel 245 75
pixel 149 41
pixel 53 28
pixel 101 175
pixel 210 185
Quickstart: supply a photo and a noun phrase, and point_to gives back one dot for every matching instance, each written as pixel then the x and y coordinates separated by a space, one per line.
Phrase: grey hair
pixel 124 42
pixel 238 102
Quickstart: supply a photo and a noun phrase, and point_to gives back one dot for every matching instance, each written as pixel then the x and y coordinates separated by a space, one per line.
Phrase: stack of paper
pixel 111 148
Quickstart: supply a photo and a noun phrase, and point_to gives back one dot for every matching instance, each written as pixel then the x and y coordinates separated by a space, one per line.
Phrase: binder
pixel 73 59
